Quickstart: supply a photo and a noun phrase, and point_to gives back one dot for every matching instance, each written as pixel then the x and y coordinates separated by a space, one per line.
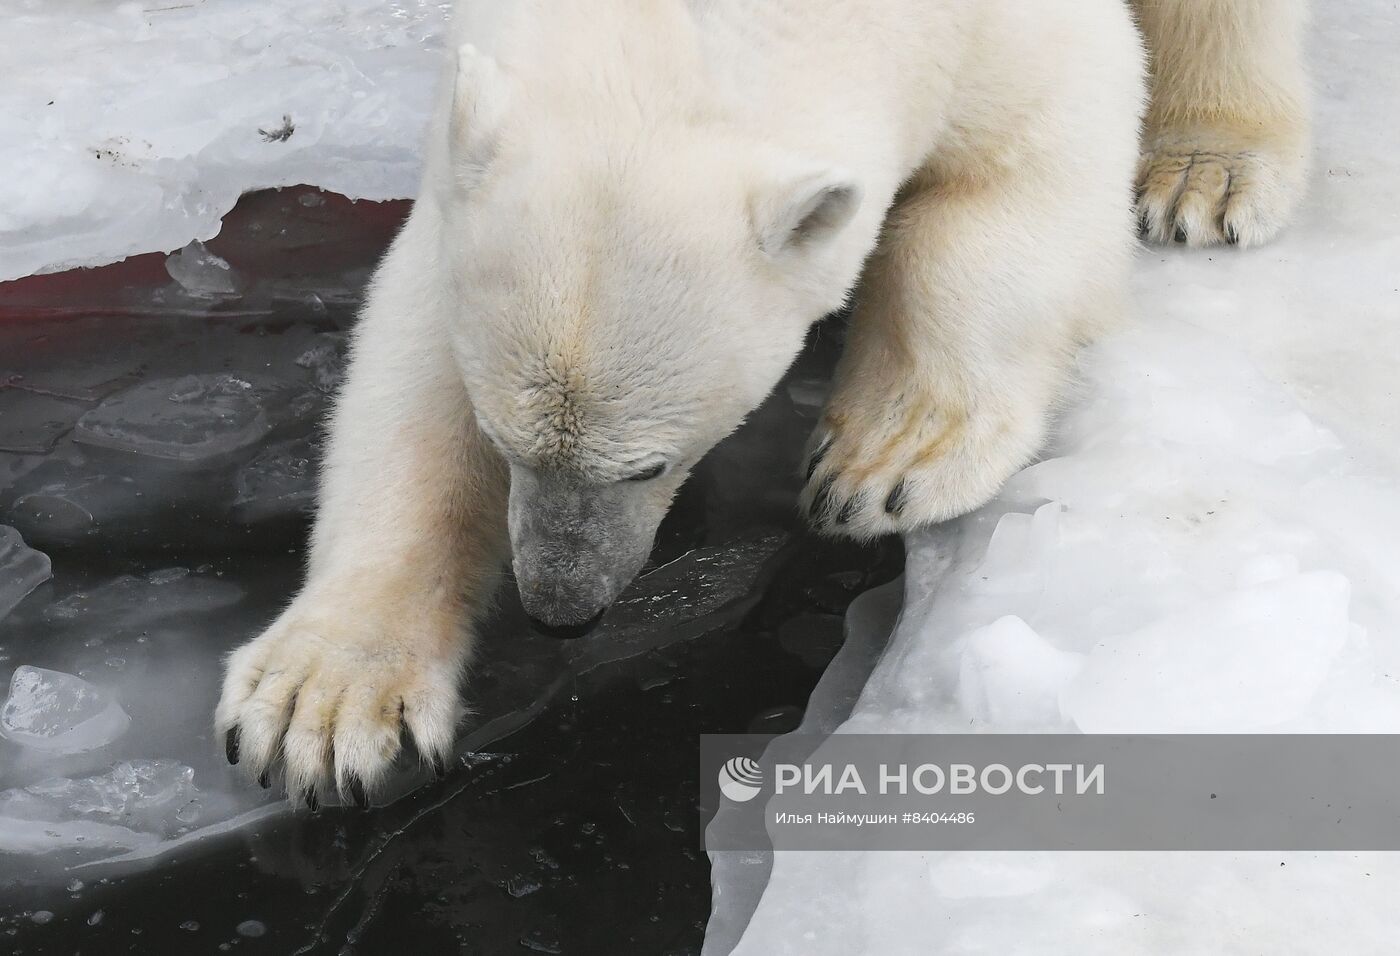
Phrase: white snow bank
pixel 135 127
pixel 1209 546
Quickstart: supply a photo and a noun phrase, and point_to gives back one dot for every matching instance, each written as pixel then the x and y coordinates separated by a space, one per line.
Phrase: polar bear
pixel 631 214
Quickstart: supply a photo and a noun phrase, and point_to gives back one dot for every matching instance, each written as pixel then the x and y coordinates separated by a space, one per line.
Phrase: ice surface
pixel 151 641
pixel 72 509
pixel 134 127
pixel 136 803
pixel 201 273
pixel 193 420
pixel 144 601
pixel 280 481
pixel 22 569
pixel 33 422
pixel 1208 546
pixel 326 360
pixel 1251 659
pixel 678 600
pixel 56 712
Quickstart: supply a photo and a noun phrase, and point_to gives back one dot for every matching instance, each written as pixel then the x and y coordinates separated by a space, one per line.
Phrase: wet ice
pixel 192 420
pixel 201 273
pixel 279 482
pixel 135 803
pixel 59 713
pixel 143 601
pixel 22 569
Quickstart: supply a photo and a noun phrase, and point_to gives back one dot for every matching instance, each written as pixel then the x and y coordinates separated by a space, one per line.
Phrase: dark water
pixel 569 824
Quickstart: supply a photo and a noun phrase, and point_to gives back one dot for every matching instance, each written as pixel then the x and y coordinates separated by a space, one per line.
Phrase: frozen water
pixel 201 273
pixel 1011 677
pixel 134 127
pixel 152 641
pixel 22 569
pixel 56 712
pixel 1246 661
pixel 326 360
pixel 678 600
pixel 130 601
pixel 13 467
pixel 280 481
pixel 192 420
pixel 33 422
pixel 136 803
pixel 1209 546
pixel 72 509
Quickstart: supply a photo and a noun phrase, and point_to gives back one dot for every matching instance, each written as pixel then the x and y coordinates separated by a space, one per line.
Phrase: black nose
pixel 567 632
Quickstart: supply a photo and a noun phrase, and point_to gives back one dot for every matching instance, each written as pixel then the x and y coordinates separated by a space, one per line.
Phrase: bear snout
pixel 561 611
pixel 566 632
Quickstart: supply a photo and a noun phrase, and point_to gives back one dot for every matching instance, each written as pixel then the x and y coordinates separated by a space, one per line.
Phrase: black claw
pixel 1180 234
pixel 264 781
pixel 1143 227
pixel 231 745
pixel 1231 236
pixel 312 803
pixel 847 511
pixel 819 500
pixel 894 504
pixel 817 457
pixel 439 766
pixel 358 797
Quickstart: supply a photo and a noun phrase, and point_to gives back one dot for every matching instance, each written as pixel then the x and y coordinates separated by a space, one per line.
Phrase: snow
pixel 134 127
pixel 1208 546
pixel 59 713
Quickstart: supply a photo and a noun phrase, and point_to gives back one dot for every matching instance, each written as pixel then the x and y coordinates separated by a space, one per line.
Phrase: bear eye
pixel 646 475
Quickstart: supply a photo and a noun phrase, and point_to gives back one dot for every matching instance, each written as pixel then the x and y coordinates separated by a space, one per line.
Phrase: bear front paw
pixel 1201 188
pixel 325 696
pixel 916 464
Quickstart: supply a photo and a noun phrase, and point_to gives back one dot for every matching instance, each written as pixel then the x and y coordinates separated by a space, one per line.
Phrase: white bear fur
pixel 655 199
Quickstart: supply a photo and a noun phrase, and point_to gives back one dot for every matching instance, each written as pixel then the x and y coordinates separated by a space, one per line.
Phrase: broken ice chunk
pixel 33 422
pixel 14 467
pixel 201 273
pixel 130 602
pixel 280 482
pixel 59 713
pixel 325 361
pixel 134 803
pixel 73 508
pixel 133 791
pixel 192 420
pixel 682 599
pixel 22 569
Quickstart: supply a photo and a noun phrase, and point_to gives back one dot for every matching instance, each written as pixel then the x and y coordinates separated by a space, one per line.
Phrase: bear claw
pixel 894 504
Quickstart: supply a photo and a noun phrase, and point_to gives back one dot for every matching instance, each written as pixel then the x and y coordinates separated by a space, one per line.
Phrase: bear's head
pixel 626 288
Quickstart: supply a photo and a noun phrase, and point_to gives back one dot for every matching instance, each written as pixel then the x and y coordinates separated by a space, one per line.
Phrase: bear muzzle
pixel 574 549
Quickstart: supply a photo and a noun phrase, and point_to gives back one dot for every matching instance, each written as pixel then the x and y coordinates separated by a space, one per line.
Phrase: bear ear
pixel 805 211
pixel 478 107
